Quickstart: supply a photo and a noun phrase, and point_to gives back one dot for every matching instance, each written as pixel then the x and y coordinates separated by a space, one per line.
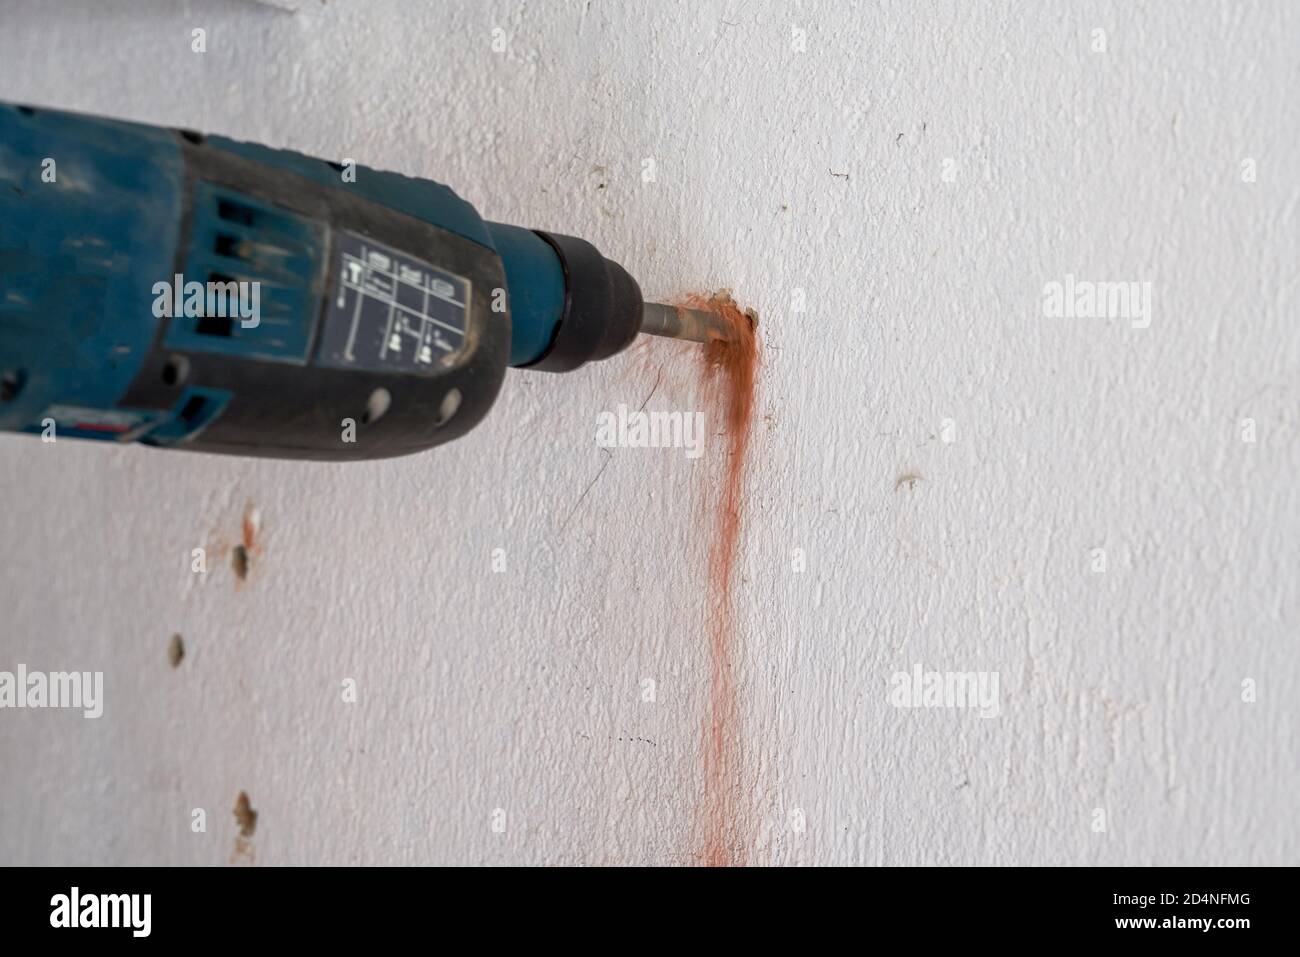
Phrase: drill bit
pixel 680 322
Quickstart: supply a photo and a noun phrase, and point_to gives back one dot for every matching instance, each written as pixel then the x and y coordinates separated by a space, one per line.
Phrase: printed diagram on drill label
pixel 390 312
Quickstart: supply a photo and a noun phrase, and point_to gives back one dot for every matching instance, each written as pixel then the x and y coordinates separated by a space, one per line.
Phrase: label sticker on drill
pixel 86 423
pixel 390 312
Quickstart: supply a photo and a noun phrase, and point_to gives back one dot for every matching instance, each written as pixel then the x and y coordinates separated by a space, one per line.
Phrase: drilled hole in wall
pixel 176 650
pixel 245 816
pixel 239 561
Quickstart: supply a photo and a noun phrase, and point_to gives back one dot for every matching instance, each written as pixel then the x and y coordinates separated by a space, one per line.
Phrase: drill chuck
pixel 602 307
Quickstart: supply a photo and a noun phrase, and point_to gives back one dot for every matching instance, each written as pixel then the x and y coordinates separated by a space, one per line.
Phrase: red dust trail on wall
pixel 728 379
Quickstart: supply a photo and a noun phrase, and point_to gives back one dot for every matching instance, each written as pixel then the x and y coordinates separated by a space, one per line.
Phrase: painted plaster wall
pixel 780 173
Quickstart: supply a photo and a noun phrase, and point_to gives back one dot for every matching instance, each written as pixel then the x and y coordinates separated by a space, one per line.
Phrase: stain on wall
pixel 246 822
pixel 728 385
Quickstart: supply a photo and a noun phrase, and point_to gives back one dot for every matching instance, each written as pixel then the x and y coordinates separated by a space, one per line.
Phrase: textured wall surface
pixel 891 187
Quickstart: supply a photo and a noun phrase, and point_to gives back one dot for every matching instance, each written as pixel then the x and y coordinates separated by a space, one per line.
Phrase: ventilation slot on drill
pixel 218 325
pixel 235 212
pixel 215 326
pixel 260 267
pixel 227 246
pixel 194 411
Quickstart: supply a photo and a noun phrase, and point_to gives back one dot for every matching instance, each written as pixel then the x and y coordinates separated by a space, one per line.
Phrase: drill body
pixel 183 291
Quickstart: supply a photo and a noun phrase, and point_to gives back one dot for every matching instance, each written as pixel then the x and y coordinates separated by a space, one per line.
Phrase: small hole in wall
pixel 245 816
pixel 239 561
pixel 176 650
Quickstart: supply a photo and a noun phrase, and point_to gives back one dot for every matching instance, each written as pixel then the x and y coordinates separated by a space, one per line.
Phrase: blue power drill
pixel 193 292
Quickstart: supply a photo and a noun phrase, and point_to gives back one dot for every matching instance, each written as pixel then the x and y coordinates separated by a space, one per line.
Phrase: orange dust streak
pixel 728 376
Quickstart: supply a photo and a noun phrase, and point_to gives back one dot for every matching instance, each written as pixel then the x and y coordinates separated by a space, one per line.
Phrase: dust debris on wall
pixel 728 375
pixel 241 555
pixel 909 479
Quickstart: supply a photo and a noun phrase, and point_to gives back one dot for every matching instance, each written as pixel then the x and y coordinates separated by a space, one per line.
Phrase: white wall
pixel 1120 690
